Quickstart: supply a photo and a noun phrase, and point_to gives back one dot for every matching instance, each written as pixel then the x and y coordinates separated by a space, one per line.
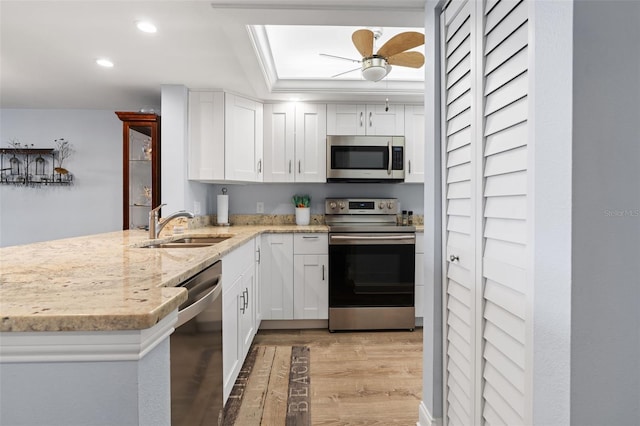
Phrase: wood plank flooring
pixel 358 378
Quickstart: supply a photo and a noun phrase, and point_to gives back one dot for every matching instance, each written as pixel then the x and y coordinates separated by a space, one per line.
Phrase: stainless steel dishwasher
pixel 196 352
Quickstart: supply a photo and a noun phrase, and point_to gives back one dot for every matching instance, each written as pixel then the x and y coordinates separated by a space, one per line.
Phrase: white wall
pixel 431 406
pixel 178 193
pixel 605 314
pixel 93 204
pixel 277 196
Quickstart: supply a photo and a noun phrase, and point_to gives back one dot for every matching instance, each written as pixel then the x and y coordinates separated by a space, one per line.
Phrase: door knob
pixel 454 258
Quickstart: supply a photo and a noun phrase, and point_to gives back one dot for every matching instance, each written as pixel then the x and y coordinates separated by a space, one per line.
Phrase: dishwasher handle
pixel 202 290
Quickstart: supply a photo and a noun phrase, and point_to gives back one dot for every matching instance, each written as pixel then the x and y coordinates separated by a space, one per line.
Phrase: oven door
pixel 371 270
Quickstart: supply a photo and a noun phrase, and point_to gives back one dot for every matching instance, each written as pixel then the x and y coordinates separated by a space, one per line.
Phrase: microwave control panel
pixel 397 159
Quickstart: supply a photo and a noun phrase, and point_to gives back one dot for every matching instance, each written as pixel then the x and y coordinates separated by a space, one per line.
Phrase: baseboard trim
pixel 292 324
pixel 425 418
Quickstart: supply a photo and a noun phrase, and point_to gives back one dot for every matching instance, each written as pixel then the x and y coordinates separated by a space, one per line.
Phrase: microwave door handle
pixel 390 158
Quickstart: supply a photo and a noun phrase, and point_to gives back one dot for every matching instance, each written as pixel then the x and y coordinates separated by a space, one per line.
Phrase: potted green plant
pixel 302 204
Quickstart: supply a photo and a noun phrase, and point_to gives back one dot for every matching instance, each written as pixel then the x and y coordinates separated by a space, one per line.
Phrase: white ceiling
pixel 48 50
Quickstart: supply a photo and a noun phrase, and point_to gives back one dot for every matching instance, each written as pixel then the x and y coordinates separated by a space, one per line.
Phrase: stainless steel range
pixel 371 265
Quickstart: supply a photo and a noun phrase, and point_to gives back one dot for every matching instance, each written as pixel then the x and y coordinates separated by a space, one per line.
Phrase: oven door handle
pixel 373 238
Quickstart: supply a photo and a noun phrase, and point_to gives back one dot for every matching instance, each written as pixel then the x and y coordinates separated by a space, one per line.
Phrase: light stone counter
pixel 107 281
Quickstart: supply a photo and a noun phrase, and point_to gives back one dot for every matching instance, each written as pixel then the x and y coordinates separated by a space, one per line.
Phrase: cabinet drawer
pixel 235 263
pixel 310 243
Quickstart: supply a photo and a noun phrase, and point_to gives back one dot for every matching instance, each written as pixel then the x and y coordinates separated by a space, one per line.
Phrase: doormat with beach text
pixel 272 388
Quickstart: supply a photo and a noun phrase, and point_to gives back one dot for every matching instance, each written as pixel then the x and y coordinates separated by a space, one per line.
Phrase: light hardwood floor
pixel 359 378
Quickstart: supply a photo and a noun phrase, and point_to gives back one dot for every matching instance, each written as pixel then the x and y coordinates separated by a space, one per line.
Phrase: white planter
pixel 303 215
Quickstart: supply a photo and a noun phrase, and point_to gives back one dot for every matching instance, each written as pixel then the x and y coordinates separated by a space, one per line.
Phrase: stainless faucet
pixel 156 225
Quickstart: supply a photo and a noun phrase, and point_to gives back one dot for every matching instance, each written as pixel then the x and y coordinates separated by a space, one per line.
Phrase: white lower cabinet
pixel 238 311
pixel 310 276
pixel 419 275
pixel 294 273
pixel 276 274
pixel 258 280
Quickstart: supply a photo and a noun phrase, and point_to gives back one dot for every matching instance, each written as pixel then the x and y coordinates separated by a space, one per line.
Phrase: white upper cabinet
pixel 225 137
pixel 349 119
pixel 414 143
pixel 243 139
pixel 295 142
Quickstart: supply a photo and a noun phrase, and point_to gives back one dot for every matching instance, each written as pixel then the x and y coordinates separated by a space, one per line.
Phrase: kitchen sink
pixel 190 242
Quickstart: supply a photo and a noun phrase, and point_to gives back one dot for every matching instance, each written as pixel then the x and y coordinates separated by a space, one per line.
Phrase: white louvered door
pixel 459 234
pixel 497 261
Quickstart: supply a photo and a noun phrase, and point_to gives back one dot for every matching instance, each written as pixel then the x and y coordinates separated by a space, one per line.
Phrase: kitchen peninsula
pixel 84 336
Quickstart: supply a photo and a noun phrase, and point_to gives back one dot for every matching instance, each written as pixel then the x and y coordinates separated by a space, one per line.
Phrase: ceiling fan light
pixel 375 69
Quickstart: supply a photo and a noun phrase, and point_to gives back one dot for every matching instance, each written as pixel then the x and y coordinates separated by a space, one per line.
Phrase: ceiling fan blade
pixel 400 43
pixel 407 59
pixel 363 41
pixel 339 57
pixel 346 72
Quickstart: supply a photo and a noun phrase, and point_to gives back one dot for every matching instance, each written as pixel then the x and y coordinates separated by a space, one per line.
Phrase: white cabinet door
pixel 225 137
pixel 277 276
pixel 414 143
pixel 346 119
pixel 279 142
pixel 311 143
pixel 258 282
pixel 238 311
pixel 295 138
pixel 365 120
pixel 310 276
pixel 231 344
pixel 246 293
pixel 206 135
pixel 311 289
pixel 243 139
pixel 385 121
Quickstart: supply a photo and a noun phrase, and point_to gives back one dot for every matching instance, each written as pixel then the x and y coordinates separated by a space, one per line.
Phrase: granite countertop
pixel 107 281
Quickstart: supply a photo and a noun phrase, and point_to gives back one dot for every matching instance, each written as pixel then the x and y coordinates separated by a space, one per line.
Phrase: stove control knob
pixel 342 205
pixel 390 205
pixel 332 205
pixel 381 205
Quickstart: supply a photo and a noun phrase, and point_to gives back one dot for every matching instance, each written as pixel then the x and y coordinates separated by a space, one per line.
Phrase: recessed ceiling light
pixel 146 27
pixel 104 62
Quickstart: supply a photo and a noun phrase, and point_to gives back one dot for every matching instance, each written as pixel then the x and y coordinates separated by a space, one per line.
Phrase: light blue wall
pixel 277 197
pixel 93 204
pixel 605 319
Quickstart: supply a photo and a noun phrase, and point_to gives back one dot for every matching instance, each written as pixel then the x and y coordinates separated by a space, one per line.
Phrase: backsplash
pixel 268 219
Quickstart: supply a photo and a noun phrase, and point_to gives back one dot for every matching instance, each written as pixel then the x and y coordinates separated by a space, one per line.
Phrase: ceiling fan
pixel 394 52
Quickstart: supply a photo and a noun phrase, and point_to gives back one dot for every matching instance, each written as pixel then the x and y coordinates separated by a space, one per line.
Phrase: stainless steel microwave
pixel 365 158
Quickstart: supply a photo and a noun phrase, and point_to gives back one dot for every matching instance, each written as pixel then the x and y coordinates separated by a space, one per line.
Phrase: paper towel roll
pixel 223 209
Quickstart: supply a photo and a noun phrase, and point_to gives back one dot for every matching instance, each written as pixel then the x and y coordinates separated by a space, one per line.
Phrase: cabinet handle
pixel 310 237
pixel 299 166
pixel 246 300
pixel 409 166
pixel 361 118
pixel 322 272
pixel 259 255
pixel 370 119
pixel 243 307
pixel 259 166
pixel 454 258
pixel 289 166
